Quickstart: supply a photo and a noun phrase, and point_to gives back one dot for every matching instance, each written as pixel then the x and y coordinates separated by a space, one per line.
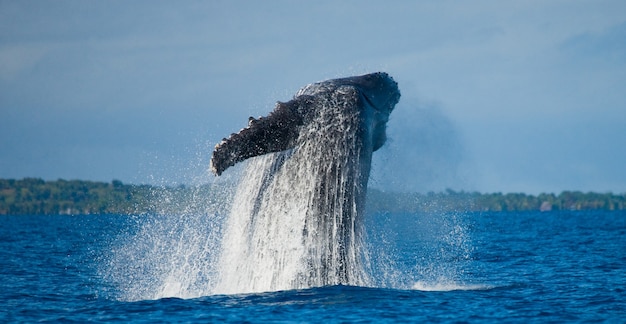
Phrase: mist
pixel 424 151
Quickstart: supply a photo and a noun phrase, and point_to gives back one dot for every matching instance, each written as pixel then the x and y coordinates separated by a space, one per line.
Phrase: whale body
pixel 296 218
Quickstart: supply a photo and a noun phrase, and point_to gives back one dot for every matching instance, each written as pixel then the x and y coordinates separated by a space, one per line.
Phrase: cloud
pixel 19 60
pixel 606 45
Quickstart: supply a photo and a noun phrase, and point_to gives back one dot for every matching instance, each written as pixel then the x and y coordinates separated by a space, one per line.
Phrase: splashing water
pixel 445 256
pixel 170 253
pixel 295 221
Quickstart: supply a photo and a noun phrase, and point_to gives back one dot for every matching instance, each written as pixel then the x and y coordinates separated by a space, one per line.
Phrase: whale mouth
pixel 385 85
pixel 369 102
pixel 378 108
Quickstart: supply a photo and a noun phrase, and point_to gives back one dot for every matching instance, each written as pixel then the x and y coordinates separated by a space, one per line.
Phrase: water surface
pixel 555 266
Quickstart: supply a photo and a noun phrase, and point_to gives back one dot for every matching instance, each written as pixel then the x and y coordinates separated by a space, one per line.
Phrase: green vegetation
pixel 31 196
pixel 38 197
pixel 474 201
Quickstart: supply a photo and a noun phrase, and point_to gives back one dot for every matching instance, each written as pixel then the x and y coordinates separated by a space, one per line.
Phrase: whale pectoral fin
pixel 273 133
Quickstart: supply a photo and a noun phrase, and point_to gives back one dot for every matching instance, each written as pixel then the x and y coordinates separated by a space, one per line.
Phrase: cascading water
pixel 295 221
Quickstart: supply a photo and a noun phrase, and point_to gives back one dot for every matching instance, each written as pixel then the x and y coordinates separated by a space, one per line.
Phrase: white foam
pixel 445 285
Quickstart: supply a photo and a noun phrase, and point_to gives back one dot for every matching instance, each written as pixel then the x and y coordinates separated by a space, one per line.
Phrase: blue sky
pixel 498 96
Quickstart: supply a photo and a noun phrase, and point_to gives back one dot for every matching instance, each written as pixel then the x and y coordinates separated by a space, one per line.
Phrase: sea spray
pixel 295 221
pixel 444 253
pixel 196 244
pixel 297 218
pixel 170 252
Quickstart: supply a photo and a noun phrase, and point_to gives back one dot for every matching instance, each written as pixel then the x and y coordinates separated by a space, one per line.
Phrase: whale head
pixel 379 89
pixel 379 93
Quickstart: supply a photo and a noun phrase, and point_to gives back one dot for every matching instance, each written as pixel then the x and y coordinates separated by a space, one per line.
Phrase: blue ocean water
pixel 554 266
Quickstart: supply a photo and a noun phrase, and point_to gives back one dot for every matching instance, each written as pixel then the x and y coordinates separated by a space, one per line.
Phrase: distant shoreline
pixel 34 196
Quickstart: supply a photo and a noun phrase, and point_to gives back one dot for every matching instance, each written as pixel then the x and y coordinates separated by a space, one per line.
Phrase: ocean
pixel 559 266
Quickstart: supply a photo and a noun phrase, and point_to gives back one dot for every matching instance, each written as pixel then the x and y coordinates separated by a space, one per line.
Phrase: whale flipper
pixel 274 133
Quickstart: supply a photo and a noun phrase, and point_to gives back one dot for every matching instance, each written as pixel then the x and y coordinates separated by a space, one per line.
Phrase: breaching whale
pixel 296 218
pixel 371 97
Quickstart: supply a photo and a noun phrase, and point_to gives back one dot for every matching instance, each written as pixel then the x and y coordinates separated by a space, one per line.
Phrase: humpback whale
pixel 296 218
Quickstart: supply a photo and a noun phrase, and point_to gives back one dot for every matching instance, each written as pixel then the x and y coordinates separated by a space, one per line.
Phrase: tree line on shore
pixel 33 196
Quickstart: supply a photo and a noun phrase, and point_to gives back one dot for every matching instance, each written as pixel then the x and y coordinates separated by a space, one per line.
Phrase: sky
pixel 497 96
